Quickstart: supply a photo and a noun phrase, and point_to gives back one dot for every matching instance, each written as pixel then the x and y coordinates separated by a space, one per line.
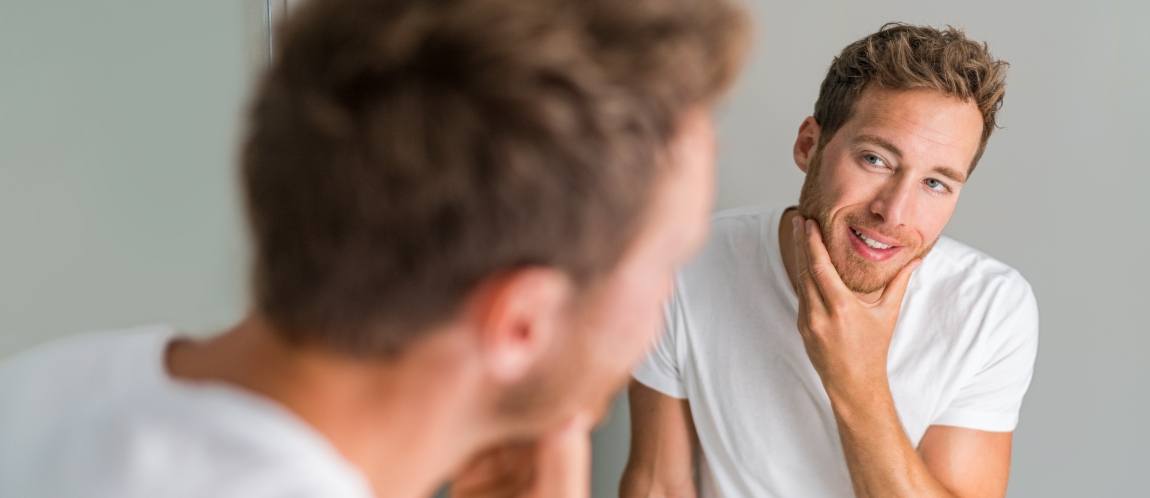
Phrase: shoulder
pixel 68 371
pixel 736 250
pixel 201 440
pixel 87 349
pixel 962 281
pixel 959 267
pixel 737 234
pixel 747 220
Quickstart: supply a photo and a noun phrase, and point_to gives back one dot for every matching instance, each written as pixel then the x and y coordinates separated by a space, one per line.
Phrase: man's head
pixel 902 119
pixel 529 173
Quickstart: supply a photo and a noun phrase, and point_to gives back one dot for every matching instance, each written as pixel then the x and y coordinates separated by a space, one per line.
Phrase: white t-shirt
pixel 962 355
pixel 98 416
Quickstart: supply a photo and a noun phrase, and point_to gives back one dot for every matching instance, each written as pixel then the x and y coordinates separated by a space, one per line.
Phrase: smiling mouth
pixel 871 243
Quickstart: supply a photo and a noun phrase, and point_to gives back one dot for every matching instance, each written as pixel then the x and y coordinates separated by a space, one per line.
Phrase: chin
pixel 598 406
pixel 864 277
pixel 867 284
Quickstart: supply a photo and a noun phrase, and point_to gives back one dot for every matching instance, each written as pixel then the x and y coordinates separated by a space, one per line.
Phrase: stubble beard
pixel 859 275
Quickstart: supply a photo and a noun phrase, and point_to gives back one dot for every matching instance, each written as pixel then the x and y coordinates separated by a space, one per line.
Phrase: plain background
pixel 119 122
pixel 118 128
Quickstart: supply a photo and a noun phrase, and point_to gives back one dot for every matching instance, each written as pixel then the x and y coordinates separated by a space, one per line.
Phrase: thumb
pixel 564 461
pixel 896 289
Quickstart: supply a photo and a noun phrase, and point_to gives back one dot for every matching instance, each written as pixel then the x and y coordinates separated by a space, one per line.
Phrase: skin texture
pixel 893 172
pixel 502 396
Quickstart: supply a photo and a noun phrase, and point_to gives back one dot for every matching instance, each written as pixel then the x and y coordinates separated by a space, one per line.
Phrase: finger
pixel 809 298
pixel 564 462
pixel 498 459
pixel 497 473
pixel 823 272
pixel 493 485
pixel 896 289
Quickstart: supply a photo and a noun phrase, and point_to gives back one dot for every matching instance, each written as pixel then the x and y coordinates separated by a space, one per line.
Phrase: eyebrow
pixel 946 171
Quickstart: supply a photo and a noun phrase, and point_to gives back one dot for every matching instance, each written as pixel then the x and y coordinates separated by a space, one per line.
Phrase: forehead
pixel 920 122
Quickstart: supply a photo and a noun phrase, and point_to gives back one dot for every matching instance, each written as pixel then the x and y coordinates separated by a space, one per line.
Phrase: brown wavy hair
pixel 905 57
pixel 401 151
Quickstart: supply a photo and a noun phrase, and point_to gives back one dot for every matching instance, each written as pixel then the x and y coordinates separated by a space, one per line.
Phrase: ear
pixel 806 143
pixel 517 316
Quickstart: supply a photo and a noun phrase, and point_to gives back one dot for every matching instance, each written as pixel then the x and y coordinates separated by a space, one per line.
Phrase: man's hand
pixel 847 340
pixel 558 465
pixel 846 337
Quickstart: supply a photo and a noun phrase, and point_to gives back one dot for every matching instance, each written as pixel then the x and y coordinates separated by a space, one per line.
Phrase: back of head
pixel 906 57
pixel 401 151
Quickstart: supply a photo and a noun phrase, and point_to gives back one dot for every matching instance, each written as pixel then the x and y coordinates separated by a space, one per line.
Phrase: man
pixel 464 218
pixel 845 347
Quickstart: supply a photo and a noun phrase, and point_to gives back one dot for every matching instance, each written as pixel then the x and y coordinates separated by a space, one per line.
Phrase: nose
pixel 894 203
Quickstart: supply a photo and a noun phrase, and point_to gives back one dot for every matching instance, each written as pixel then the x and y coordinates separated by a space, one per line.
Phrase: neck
pixel 790 262
pixel 406 423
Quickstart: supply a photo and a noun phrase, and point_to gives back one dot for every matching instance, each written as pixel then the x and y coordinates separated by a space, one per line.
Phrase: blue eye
pixel 874 160
pixel 936 185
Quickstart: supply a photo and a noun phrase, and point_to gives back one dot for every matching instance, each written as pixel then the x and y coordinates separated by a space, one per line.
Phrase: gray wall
pixel 118 123
pixel 1061 195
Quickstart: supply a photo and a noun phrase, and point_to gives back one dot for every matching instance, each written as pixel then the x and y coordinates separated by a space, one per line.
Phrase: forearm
pixel 663 447
pixel 882 461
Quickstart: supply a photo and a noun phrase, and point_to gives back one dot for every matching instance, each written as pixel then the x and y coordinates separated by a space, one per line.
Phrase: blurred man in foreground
pixel 464 218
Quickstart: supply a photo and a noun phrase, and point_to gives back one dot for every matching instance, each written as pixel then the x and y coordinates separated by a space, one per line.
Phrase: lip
pixel 868 252
pixel 875 236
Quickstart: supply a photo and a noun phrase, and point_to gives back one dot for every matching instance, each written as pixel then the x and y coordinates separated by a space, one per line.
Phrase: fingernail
pixel 795 223
pixel 810 226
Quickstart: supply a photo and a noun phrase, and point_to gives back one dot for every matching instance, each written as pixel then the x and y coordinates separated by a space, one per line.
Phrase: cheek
pixel 632 317
pixel 936 219
pixel 841 184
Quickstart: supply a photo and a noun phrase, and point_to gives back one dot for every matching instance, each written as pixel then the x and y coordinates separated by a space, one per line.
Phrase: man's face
pixel 886 184
pixel 618 320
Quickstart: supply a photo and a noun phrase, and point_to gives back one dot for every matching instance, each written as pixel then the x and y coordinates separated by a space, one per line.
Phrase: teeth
pixel 874 244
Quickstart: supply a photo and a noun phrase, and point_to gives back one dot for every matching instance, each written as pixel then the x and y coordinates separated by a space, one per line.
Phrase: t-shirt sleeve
pixel 992 396
pixel 661 369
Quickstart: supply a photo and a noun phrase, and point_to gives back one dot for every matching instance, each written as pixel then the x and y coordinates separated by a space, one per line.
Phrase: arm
pixel 847 340
pixel 661 463
pixel 968 462
pixel 950 461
